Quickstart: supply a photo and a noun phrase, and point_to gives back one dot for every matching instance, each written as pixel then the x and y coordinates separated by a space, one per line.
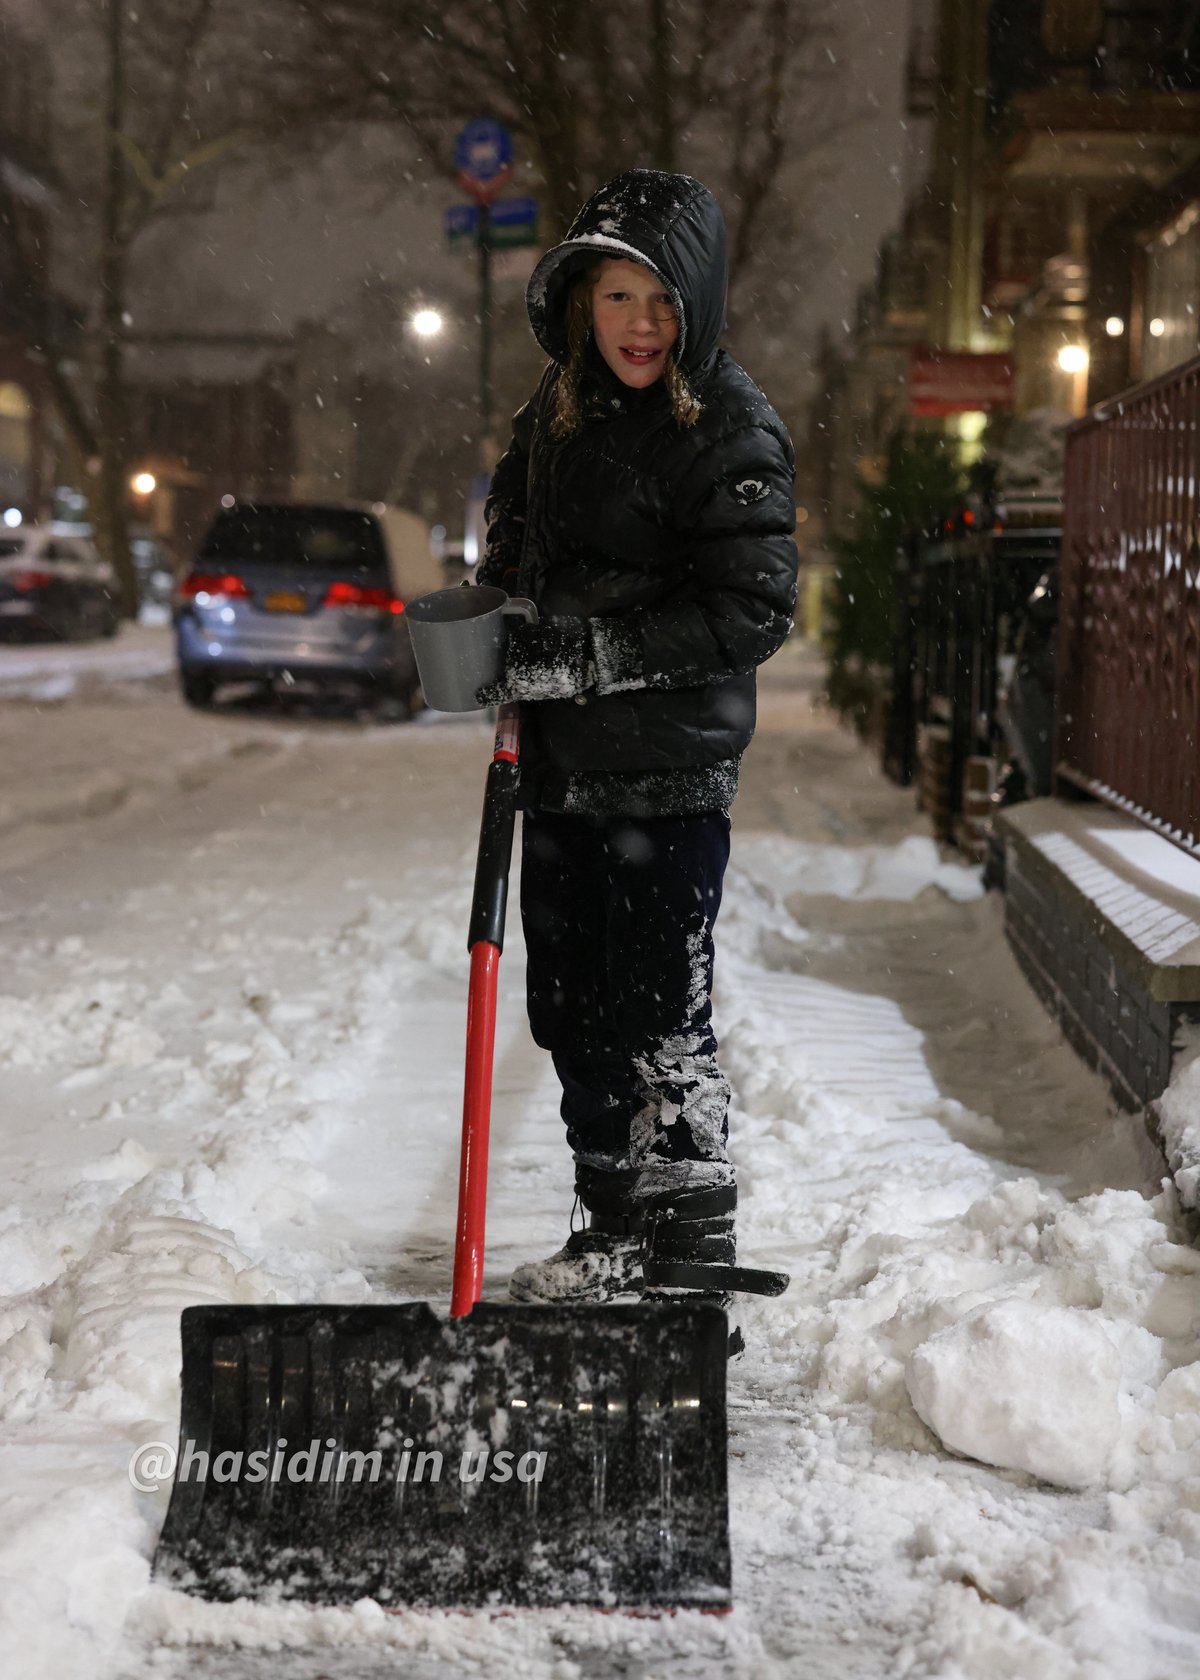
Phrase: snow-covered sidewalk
pixel 230 1055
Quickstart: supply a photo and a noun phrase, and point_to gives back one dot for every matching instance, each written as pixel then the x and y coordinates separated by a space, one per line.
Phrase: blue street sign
pixel 462 221
pixel 508 212
pixel 483 150
pixel 513 221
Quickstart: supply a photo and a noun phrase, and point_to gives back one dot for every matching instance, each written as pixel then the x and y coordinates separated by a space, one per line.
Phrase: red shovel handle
pixel 477 1110
pixel 486 940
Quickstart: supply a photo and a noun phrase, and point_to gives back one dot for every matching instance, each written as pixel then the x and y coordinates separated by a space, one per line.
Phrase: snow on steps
pixel 1141 895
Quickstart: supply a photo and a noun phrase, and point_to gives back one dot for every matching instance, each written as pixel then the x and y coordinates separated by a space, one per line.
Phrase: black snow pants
pixel 618 916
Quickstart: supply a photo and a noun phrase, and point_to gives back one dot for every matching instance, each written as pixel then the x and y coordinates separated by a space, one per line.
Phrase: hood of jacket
pixel 671 224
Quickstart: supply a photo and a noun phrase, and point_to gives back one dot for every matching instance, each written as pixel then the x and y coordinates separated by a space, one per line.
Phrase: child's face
pixel 633 320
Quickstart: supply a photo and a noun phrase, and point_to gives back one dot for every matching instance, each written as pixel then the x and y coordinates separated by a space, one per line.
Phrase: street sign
pixel 511 222
pixel 514 221
pixel 462 223
pixel 483 159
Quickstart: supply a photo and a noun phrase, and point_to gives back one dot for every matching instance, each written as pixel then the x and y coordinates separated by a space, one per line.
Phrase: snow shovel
pixel 500 1456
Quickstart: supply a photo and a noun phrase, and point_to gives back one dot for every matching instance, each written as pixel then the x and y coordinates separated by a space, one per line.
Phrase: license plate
pixel 284 600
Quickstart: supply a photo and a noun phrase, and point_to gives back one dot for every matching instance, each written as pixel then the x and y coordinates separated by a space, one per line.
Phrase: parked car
pixel 55 585
pixel 153 567
pixel 303 593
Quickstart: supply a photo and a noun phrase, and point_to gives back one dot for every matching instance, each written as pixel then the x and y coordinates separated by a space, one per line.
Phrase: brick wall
pixel 1079 970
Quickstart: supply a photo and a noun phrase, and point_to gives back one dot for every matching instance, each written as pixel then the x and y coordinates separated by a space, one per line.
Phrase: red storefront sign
pixel 957 381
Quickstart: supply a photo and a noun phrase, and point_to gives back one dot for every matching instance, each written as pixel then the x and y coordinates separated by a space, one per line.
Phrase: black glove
pixel 550 661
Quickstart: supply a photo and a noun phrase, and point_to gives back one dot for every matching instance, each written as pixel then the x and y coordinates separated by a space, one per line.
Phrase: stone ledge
pixel 1136 893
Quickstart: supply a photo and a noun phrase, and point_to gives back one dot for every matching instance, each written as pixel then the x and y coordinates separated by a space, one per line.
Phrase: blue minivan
pixel 303 594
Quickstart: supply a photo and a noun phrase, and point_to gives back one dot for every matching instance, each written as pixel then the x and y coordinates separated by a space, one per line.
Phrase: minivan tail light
pixel 31 580
pixel 372 596
pixel 213 583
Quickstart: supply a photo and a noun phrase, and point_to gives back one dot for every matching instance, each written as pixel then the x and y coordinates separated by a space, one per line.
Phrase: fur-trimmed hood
pixel 669 223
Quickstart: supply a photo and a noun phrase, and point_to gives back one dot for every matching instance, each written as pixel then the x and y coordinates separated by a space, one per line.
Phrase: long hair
pixel 568 400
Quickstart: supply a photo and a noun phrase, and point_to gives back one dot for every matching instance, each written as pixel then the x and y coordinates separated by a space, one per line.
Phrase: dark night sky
pixel 304 247
pixel 874 164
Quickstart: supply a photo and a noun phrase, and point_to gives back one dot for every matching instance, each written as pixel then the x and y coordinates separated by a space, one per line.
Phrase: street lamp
pixel 144 483
pixel 1073 359
pixel 1114 326
pixel 426 323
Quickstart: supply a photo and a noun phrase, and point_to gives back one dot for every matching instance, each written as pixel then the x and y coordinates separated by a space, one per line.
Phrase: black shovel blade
pixel 518 1456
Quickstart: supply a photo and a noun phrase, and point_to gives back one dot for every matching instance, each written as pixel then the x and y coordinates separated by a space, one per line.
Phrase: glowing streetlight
pixel 12 517
pixel 426 323
pixel 1114 326
pixel 1073 359
pixel 144 483
pixel 1157 327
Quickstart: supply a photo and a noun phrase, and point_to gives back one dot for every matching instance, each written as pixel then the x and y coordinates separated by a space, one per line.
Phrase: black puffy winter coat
pixel 672 542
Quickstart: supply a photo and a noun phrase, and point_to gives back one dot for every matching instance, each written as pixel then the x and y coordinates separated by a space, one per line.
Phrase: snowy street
pixel 231 1022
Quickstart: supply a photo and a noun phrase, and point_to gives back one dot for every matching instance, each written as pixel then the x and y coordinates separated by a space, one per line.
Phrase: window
pixel 1170 324
pixel 308 538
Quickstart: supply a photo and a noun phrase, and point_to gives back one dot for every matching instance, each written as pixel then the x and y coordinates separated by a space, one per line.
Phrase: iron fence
pixel 961 598
pixel 1129 631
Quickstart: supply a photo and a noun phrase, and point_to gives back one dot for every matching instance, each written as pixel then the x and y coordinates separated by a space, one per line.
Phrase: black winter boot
pixel 689 1243
pixel 600 1262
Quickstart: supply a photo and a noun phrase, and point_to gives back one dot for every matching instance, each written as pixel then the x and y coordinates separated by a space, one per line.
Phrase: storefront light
pixel 1073 358
pixel 1157 326
pixel 144 483
pixel 1114 326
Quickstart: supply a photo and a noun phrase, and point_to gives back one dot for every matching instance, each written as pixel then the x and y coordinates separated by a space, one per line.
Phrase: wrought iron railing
pixel 1129 634
pixel 961 597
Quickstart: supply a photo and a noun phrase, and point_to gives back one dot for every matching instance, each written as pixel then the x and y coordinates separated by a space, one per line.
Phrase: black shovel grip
pixel 495 855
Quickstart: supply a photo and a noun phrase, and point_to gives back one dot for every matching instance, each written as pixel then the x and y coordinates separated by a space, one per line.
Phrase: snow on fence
pixel 1129 625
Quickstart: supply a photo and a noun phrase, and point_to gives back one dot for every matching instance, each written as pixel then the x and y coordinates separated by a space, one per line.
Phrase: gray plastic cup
pixel 458 638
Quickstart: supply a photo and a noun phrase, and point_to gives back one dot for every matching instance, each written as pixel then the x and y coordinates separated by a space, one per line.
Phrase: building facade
pixel 1050 255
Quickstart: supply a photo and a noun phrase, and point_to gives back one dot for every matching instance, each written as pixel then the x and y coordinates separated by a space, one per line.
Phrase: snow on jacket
pixel 671 544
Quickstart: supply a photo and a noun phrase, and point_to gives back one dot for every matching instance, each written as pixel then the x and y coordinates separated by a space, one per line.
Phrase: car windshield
pixel 10 546
pixel 333 539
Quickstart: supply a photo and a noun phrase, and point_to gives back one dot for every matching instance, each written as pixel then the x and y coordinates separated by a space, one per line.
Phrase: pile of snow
pixel 944 1301
pixel 859 872
pixel 1024 1386
pixel 1178 1116
pixel 77 1027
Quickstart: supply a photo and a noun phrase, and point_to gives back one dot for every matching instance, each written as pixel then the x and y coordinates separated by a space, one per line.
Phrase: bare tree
pixel 742 85
pixel 155 97
pixel 147 105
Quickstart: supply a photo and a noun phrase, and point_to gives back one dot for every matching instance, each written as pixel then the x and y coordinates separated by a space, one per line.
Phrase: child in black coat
pixel 645 504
